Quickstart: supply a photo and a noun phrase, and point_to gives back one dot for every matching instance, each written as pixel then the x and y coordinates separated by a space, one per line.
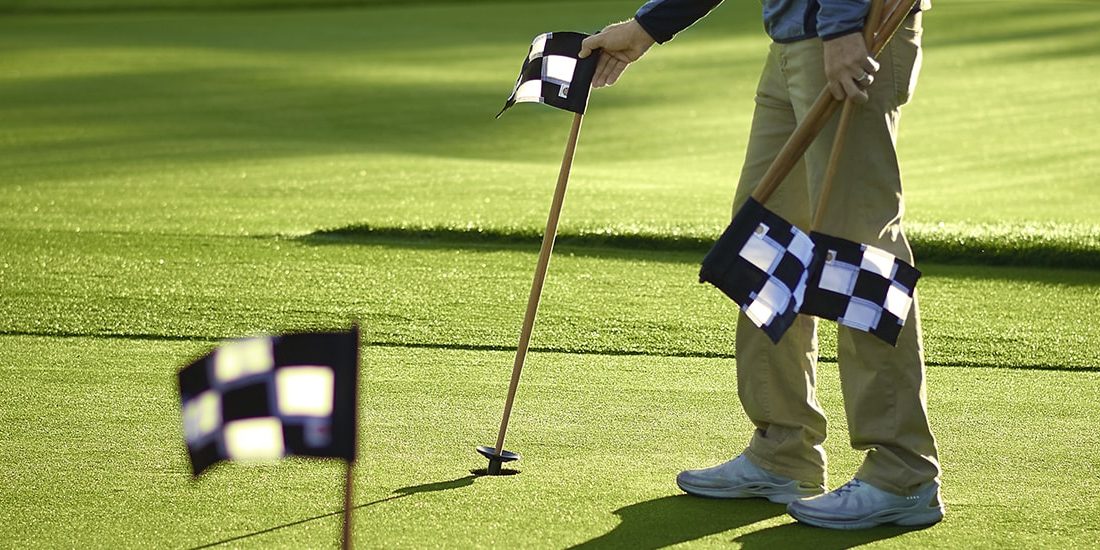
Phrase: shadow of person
pixel 796 535
pixel 397 494
pixel 674 519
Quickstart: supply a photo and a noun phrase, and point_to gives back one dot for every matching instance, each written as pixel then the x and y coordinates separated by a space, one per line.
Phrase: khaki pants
pixel 883 386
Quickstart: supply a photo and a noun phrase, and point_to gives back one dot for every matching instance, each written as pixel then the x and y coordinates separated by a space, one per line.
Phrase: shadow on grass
pixel 397 494
pixel 460 346
pixel 1064 252
pixel 678 519
pixel 797 535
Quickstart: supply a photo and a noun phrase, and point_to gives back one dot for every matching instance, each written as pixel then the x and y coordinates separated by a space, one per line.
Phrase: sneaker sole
pixel 779 494
pixel 902 517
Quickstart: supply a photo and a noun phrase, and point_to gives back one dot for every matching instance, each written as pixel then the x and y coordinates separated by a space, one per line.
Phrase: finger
pixel 602 68
pixel 853 92
pixel 616 71
pixel 588 45
pixel 837 90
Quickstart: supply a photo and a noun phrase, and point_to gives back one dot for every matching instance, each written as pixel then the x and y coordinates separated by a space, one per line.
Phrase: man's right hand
pixel 622 44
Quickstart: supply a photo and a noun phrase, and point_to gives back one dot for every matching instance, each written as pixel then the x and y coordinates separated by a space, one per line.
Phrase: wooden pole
pixel 540 277
pixel 818 116
pixel 348 484
pixel 831 169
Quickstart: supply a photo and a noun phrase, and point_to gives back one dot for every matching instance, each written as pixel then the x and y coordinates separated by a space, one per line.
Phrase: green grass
pixel 171 179
pixel 452 294
pixel 176 122
pixel 603 437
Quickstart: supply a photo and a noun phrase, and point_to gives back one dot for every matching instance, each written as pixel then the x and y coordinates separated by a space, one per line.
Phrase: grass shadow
pixel 403 492
pixel 677 519
pixel 797 535
pixel 672 520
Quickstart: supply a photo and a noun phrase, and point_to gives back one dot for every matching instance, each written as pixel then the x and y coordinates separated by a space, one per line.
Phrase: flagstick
pixel 346 543
pixel 536 287
pixel 845 120
pixel 819 114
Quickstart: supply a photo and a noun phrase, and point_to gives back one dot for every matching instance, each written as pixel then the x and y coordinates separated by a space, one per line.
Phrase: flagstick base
pixel 497 460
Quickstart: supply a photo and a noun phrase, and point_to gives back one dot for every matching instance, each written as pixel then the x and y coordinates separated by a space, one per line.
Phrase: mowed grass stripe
pixel 436 294
pixel 602 439
pixel 285 122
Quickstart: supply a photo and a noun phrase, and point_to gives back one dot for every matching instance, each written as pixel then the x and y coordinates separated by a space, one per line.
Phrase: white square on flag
pixel 305 390
pixel 878 261
pixel 559 68
pixel 861 315
pixel 838 277
pixel 254 439
pixel 537 47
pixel 529 91
pixel 760 252
pixel 202 415
pixel 241 358
pixel 898 302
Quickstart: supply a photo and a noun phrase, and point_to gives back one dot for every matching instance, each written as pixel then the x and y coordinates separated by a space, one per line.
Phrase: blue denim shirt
pixel 784 20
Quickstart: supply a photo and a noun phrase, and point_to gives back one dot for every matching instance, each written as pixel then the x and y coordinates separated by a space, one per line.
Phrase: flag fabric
pixel 266 397
pixel 762 262
pixel 553 74
pixel 860 286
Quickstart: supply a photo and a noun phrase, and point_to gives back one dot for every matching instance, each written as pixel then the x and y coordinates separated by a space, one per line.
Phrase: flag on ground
pixel 553 74
pixel 762 262
pixel 267 397
pixel 860 286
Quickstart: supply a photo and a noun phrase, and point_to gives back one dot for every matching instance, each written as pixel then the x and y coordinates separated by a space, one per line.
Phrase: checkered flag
pixel 552 73
pixel 268 397
pixel 860 286
pixel 761 261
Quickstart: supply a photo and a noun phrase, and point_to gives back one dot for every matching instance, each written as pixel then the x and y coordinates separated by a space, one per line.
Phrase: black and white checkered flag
pixel 553 74
pixel 267 397
pixel 860 286
pixel 762 262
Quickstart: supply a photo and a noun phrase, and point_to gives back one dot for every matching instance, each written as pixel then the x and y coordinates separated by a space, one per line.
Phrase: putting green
pixel 454 294
pixel 92 459
pixel 167 176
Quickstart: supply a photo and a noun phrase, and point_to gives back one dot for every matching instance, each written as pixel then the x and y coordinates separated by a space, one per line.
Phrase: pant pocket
pixel 906 54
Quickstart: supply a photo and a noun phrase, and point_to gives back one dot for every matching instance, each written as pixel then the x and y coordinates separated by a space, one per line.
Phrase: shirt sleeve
pixel 837 18
pixel 662 19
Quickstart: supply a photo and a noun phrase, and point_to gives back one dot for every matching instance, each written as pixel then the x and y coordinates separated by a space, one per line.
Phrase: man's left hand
pixel 849 67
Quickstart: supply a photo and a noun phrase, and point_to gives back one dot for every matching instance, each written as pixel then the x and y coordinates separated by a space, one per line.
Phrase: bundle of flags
pixel 762 262
pixel 774 271
pixel 553 74
pixel 267 397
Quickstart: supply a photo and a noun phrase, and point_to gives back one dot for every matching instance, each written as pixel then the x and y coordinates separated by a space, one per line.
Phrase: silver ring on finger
pixel 865 80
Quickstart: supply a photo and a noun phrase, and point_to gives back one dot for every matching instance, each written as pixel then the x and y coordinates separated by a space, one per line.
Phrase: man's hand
pixel 849 67
pixel 622 44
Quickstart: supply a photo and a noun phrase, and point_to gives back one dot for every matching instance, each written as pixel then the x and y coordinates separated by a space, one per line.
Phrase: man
pixel 818 43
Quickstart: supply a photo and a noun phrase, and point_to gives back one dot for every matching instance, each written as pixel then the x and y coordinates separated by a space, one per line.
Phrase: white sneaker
pixel 740 478
pixel 860 505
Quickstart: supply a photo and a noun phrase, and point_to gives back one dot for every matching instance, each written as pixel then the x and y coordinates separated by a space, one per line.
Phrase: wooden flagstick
pixel 845 120
pixel 349 473
pixel 348 484
pixel 818 116
pixel 536 291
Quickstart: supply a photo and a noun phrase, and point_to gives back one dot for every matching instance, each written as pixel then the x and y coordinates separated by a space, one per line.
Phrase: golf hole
pixel 485 472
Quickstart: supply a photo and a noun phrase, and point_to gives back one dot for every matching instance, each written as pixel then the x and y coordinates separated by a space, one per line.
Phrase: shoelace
pixel 848 487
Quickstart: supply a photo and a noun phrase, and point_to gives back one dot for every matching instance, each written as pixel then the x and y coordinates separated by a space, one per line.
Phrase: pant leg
pixel 883 386
pixel 776 383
